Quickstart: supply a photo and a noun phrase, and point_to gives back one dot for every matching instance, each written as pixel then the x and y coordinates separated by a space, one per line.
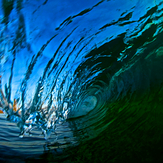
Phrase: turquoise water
pixel 81 81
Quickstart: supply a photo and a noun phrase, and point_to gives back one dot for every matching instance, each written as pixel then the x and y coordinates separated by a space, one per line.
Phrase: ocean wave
pixel 71 70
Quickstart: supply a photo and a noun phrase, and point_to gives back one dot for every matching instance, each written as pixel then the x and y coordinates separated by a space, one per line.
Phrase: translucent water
pixel 79 76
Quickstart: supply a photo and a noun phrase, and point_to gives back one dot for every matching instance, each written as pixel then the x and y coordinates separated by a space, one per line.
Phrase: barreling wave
pixel 70 74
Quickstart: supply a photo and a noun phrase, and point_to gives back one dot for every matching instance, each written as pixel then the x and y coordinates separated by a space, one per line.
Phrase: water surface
pixel 81 81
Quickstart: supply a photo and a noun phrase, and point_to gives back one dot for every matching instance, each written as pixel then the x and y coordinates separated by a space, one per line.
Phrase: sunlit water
pixel 81 81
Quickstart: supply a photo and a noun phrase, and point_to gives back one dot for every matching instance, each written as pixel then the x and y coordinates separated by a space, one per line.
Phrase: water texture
pixel 81 81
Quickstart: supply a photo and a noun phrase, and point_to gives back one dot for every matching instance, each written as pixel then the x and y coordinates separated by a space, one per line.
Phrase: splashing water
pixel 76 67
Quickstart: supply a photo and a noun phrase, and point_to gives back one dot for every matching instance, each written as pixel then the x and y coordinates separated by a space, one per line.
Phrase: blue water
pixel 78 72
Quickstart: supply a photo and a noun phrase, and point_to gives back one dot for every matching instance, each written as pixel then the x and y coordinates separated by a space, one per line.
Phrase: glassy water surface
pixel 81 81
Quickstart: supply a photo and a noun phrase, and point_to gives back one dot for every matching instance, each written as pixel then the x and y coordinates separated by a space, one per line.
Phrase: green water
pixel 135 133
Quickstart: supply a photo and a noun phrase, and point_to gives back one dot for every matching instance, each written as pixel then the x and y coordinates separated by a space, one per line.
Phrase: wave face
pixel 82 76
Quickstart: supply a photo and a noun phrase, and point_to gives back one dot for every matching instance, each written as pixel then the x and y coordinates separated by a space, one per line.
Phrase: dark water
pixel 81 81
